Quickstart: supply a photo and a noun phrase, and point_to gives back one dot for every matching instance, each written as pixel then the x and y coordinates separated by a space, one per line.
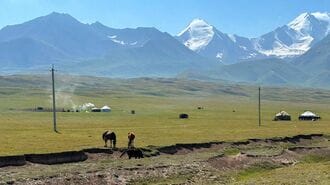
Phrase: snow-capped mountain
pixel 207 41
pixel 198 51
pixel 290 40
pixel 197 35
pixel 296 37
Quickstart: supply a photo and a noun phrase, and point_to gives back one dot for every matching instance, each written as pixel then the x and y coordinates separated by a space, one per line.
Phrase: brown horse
pixel 109 135
pixel 131 137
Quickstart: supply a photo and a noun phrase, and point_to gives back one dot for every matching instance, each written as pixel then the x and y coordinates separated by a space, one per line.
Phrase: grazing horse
pixel 109 135
pixel 133 152
pixel 131 137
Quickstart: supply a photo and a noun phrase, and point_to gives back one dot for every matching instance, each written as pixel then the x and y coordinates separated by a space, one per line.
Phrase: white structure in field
pixel 105 109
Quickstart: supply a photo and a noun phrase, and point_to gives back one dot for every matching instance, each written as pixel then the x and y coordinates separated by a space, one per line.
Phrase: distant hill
pixel 144 52
pixel 28 53
pixel 159 87
pixel 60 32
pixel 317 59
pixel 93 49
pixel 316 62
pixel 264 71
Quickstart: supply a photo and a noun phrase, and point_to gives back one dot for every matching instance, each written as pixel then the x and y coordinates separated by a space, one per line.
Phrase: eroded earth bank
pixel 302 159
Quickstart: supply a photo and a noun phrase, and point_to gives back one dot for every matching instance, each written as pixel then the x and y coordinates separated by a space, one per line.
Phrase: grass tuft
pixel 231 151
pixel 256 169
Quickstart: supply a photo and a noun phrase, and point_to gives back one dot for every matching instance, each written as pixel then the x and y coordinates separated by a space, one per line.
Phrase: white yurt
pixel 282 116
pixel 308 115
pixel 105 108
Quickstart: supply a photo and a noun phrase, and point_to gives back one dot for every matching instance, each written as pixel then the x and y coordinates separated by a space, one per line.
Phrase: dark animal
pixel 131 137
pixel 133 152
pixel 39 109
pixel 109 135
pixel 183 116
pixel 132 111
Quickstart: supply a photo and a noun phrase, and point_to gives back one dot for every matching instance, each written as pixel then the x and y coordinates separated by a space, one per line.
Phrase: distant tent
pixel 308 115
pixel 282 116
pixel 105 109
pixel 96 109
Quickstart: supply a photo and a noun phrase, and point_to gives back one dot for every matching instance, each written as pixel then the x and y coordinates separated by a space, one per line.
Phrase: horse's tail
pixel 104 134
pixel 114 139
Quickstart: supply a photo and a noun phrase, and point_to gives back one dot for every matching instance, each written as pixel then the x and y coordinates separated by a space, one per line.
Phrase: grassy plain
pixel 305 173
pixel 230 112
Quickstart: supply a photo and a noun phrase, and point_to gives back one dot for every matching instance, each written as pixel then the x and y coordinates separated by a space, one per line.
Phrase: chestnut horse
pixel 131 137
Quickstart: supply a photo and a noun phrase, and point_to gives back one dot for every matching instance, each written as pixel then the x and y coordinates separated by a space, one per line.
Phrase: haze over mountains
pixel 293 54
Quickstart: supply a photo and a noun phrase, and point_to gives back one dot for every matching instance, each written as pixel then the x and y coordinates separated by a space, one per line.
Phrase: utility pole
pixel 54 104
pixel 259 106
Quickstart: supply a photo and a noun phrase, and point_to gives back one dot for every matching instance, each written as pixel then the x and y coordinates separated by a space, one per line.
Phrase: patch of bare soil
pixel 203 163
pixel 97 156
pixel 231 162
pixel 289 156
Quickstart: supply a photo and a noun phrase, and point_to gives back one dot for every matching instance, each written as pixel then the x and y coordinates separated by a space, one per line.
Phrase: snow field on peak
pixel 200 34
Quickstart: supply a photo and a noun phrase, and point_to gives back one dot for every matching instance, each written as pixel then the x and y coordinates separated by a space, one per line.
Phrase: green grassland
pixel 311 173
pixel 230 112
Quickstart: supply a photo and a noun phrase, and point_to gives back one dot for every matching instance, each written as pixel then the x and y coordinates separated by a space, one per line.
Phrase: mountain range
pixel 287 41
pixel 94 49
pixel 293 54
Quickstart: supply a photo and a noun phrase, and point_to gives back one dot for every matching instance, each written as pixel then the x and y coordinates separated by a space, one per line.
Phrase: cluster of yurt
pixel 105 108
pixel 306 116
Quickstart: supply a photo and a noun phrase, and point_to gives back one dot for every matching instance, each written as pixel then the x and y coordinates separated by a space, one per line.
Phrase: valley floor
pixel 230 113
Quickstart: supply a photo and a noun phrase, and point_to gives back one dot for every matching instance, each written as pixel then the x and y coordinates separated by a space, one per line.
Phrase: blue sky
pixel 249 18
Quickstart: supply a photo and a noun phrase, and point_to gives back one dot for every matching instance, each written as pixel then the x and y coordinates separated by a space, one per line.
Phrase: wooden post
pixel 259 109
pixel 54 102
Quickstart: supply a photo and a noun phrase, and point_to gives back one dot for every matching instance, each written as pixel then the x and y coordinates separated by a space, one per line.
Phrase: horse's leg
pixel 105 143
pixel 110 143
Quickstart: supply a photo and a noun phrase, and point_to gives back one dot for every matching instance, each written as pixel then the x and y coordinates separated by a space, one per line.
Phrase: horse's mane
pixel 104 134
